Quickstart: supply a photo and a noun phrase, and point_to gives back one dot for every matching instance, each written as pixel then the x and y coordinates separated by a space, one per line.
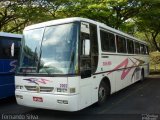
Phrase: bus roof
pixel 73 19
pixel 4 34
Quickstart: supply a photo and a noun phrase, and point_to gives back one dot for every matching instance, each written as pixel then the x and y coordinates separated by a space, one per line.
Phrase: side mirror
pixel 12 50
pixel 86 47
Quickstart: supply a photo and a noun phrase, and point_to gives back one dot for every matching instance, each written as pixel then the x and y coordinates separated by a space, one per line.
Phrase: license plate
pixel 38 99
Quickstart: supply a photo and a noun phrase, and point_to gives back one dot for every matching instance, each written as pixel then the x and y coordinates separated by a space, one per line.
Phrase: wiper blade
pixel 45 68
pixel 39 61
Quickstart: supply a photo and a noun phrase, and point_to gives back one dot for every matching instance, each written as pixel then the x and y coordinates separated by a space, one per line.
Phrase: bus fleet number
pixel 63 85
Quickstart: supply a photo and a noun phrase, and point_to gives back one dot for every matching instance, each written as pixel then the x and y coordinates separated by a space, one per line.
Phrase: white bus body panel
pixel 49 98
pixel 77 101
pixel 122 70
pixel 50 101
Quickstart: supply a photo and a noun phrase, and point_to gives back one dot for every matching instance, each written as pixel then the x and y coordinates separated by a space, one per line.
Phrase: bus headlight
pixel 64 90
pixel 19 87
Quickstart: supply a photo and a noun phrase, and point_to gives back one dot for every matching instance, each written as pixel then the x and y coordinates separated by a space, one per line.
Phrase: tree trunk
pixel 155 42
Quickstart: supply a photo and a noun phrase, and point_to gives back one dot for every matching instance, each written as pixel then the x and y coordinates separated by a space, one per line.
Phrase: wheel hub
pixel 102 93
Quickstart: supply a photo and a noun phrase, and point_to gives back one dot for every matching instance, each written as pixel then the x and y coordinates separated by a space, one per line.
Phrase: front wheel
pixel 103 92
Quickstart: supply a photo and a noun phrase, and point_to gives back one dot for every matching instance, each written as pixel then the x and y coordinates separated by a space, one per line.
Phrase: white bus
pixel 69 64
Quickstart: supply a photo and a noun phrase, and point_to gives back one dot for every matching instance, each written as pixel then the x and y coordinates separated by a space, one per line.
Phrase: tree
pixel 16 14
pixel 148 22
pixel 114 13
pixel 155 59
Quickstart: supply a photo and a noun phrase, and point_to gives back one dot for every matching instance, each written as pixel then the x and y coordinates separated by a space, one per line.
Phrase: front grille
pixel 41 89
pixel 46 89
pixel 31 88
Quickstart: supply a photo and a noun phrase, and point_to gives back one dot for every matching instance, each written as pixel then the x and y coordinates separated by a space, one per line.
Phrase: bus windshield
pixel 50 50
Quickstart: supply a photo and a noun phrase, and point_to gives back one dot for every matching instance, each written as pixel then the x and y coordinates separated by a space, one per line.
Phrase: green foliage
pixel 136 17
pixel 114 13
pixel 16 14
pixel 148 22
pixel 155 58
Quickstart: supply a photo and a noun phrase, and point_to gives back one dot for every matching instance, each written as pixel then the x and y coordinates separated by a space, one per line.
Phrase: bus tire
pixel 142 75
pixel 103 93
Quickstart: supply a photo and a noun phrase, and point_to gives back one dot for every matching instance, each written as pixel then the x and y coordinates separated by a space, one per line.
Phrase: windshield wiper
pixel 45 68
pixel 35 55
pixel 71 61
pixel 39 61
pixel 39 65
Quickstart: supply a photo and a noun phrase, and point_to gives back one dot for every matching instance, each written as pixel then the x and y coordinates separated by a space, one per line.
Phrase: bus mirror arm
pixel 86 73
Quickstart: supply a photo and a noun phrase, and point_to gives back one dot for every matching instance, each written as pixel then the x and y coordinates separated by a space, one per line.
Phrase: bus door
pixel 85 65
pixel 89 61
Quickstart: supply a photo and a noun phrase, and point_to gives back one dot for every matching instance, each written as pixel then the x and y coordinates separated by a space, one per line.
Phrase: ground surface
pixel 135 102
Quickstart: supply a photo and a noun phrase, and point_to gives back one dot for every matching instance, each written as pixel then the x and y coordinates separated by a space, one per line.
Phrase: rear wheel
pixel 142 76
pixel 103 92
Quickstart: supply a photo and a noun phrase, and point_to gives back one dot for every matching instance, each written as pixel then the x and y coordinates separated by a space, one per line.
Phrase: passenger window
pixel 142 51
pixel 146 50
pixel 107 41
pixel 130 46
pixel 137 48
pixel 121 44
pixel 5 47
pixel 94 47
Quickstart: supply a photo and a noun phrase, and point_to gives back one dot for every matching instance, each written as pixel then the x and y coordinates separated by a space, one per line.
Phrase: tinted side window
pixel 137 48
pixel 5 47
pixel 94 47
pixel 121 44
pixel 83 37
pixel 146 51
pixel 17 49
pixel 142 49
pixel 94 39
pixel 130 46
pixel 107 41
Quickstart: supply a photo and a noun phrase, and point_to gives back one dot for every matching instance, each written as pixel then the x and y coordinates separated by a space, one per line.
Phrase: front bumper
pixel 50 101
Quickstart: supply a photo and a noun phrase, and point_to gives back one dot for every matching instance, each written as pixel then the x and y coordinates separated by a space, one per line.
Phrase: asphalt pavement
pixel 140 101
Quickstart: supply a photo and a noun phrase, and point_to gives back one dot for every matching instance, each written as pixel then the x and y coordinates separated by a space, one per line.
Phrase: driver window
pixel 85 59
